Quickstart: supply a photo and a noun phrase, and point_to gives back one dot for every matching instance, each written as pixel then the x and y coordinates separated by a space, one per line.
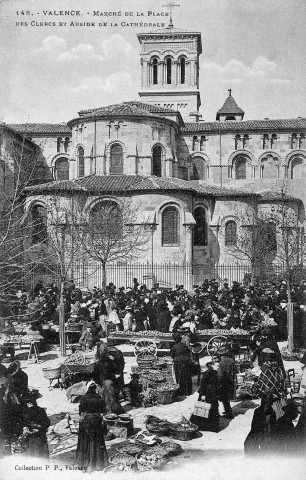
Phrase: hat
pixel 128 308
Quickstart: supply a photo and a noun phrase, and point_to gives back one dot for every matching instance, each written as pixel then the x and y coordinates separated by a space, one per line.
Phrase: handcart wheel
pixel 215 343
pixel 145 348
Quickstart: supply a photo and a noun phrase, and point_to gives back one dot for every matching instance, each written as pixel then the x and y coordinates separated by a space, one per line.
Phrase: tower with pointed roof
pixel 170 70
pixel 230 110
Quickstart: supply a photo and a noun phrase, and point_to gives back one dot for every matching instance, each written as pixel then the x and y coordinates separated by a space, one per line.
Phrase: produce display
pixel 144 333
pixel 130 449
pixel 76 358
pixel 219 331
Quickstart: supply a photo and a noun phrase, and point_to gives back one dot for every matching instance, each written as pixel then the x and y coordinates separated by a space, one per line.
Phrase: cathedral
pixel 189 177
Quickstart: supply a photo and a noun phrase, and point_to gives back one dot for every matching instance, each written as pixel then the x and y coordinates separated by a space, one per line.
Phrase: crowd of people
pixel 259 310
pixel 210 305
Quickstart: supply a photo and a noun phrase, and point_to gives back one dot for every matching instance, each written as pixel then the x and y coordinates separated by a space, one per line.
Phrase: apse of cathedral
pixel 189 177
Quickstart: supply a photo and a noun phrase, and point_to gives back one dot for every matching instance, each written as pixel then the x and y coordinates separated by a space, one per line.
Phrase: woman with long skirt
pixel 182 366
pixel 91 452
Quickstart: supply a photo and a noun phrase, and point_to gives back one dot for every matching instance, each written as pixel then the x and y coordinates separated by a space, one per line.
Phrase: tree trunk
pixel 103 277
pixel 62 335
pixel 290 321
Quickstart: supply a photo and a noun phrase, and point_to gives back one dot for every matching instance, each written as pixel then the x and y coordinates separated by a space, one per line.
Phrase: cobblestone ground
pixel 213 456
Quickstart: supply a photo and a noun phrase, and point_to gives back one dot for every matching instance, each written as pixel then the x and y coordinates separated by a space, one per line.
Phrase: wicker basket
pixel 186 434
pixel 164 397
pixel 52 373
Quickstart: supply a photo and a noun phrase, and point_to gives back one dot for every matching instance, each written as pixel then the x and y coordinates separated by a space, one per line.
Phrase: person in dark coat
pixel 208 392
pixel 91 452
pixel 283 439
pixel 163 319
pixel 258 441
pixel 182 364
pixel 227 380
pixel 18 379
pixel 35 424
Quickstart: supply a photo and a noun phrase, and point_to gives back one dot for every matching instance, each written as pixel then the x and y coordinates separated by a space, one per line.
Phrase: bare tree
pixel 285 221
pixel 20 164
pixel 115 232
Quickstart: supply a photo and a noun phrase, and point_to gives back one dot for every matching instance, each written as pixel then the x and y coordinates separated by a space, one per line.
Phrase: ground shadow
pixel 57 417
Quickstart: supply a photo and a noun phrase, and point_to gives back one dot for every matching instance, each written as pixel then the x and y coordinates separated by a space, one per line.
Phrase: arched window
pixel 198 169
pixel 271 242
pixel 245 141
pixel 116 160
pixel 39 224
pixel 231 233
pixel 237 142
pixel 274 141
pixel 294 142
pixel 195 143
pixel 107 223
pixel 170 226
pixel 265 141
pixel 302 140
pixel 183 69
pixel 81 162
pixel 155 71
pixel 157 161
pixel 200 228
pixel 66 144
pixel 168 70
pixel 59 144
pixel 269 167
pixel 298 168
pixel 240 168
pixel 62 169
pixel 202 143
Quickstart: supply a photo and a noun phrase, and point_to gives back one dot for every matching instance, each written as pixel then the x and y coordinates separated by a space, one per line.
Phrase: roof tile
pixel 245 126
pixel 39 128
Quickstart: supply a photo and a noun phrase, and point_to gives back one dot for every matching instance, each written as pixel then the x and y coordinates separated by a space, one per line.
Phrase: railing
pixel 166 275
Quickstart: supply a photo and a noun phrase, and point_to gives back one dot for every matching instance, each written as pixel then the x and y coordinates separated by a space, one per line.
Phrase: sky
pixel 50 72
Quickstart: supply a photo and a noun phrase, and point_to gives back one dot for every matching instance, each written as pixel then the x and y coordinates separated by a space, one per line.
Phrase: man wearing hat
pixel 227 380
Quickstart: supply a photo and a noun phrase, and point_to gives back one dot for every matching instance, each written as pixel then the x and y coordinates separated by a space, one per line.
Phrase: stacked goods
pixel 218 331
pixel 144 333
pixel 76 363
pixel 158 384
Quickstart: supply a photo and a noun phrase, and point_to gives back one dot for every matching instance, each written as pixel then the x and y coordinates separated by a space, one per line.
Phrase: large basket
pixel 186 434
pixel 164 397
pixel 52 373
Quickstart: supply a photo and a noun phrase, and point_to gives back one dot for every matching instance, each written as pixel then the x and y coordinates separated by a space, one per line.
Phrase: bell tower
pixel 170 70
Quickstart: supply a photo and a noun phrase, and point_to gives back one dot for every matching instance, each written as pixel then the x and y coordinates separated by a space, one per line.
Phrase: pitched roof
pixel 272 196
pixel 56 186
pixel 107 183
pixel 100 184
pixel 245 126
pixel 41 128
pixel 229 107
pixel 124 108
pixel 216 191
